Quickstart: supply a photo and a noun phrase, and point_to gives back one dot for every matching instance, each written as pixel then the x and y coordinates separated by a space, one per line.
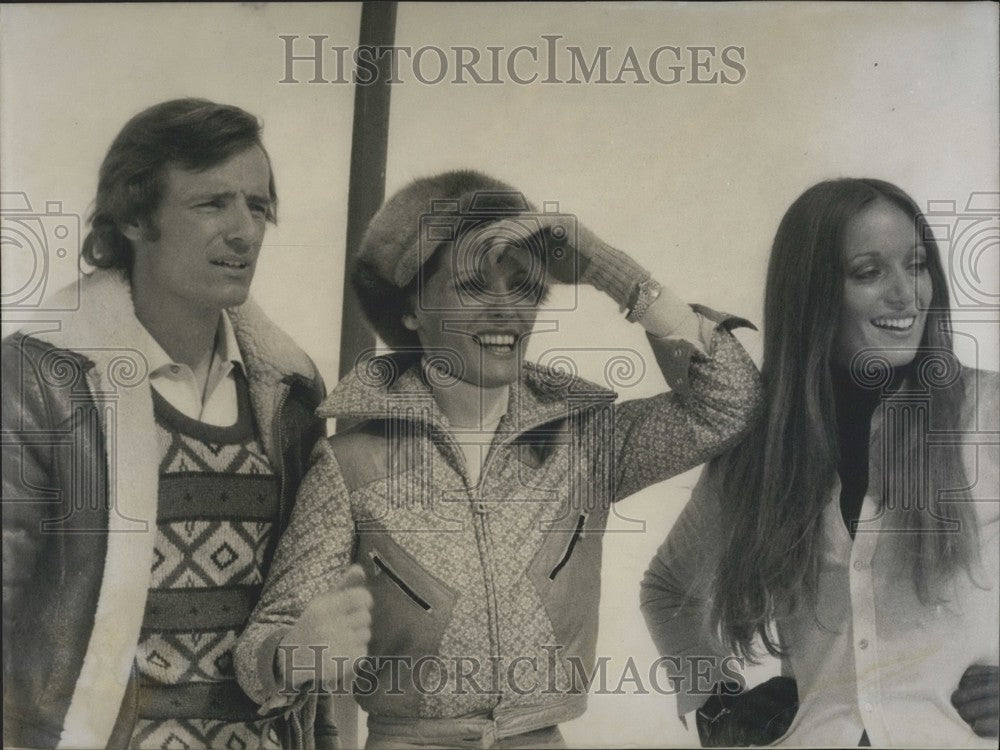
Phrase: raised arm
pixel 715 386
pixel 714 398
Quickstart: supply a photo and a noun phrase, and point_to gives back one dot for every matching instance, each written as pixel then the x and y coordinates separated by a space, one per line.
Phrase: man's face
pixel 208 231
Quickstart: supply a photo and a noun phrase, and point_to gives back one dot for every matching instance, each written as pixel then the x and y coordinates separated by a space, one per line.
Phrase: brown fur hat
pixel 392 243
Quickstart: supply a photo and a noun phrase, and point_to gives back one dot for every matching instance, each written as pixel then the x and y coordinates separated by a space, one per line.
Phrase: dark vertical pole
pixel 366 192
pixel 368 152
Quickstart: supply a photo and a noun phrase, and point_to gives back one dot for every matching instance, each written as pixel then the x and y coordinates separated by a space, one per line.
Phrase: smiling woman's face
pixel 476 310
pixel 887 286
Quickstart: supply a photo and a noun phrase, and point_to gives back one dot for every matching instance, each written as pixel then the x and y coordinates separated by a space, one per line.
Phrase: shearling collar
pixel 106 318
pixel 105 331
pixel 393 386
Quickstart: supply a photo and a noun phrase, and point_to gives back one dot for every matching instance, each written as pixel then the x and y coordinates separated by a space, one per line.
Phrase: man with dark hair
pixel 153 442
pixel 192 134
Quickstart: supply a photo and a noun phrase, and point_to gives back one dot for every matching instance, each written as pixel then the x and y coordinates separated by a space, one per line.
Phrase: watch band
pixel 645 294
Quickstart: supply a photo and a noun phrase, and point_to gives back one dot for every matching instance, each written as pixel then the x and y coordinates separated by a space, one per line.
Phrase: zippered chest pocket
pixel 383 566
pixel 412 606
pixel 566 574
pixel 577 533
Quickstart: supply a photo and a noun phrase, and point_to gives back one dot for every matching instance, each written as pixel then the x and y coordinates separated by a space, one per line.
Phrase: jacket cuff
pixel 674 355
pixel 723 320
pixel 267 674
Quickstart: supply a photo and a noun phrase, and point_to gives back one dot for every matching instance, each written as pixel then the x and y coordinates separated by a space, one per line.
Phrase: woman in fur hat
pixel 470 495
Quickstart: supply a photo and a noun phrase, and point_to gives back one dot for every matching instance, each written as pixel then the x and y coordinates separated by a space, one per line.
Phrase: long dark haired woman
pixel 843 534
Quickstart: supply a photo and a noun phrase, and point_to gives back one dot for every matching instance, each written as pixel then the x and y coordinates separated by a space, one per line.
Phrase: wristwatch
pixel 646 292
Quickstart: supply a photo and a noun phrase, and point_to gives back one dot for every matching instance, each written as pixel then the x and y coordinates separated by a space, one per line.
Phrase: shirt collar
pixel 392 384
pixel 227 349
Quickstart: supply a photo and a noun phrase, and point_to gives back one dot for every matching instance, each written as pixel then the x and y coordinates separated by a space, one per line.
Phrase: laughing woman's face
pixel 887 286
pixel 476 310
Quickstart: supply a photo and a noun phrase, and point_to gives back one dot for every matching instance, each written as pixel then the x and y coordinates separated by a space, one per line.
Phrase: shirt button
pixel 858 565
pixel 481 507
pixel 863 643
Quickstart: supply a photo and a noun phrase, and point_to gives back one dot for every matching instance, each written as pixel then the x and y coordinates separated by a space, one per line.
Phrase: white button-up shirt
pixel 176 382
pixel 870 656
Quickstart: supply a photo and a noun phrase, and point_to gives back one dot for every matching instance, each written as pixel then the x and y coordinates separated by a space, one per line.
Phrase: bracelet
pixel 646 293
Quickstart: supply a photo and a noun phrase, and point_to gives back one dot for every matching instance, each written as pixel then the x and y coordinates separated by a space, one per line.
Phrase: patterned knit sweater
pixel 218 502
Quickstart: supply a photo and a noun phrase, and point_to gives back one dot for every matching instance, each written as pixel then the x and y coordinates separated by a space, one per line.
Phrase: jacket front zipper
pixel 479 509
pixel 493 611
pixel 278 431
pixel 298 733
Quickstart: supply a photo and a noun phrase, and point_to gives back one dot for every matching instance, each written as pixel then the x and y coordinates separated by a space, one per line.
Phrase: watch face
pixel 645 294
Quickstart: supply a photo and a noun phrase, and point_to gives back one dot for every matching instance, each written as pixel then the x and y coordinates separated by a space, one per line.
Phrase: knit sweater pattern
pixel 217 507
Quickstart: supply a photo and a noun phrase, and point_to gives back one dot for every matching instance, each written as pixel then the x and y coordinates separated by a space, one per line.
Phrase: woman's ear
pixel 410 321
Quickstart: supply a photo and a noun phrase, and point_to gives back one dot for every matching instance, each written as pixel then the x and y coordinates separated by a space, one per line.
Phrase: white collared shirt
pixel 874 657
pixel 870 656
pixel 176 382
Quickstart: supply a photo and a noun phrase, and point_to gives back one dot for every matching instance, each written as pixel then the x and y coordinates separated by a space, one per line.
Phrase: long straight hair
pixel 777 482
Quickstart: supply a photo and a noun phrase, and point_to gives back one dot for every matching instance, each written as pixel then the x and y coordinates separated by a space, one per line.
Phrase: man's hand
pixel 339 621
pixel 756 717
pixel 977 699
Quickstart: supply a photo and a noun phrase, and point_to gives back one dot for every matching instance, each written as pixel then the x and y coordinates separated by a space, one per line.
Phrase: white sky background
pixel 691 179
